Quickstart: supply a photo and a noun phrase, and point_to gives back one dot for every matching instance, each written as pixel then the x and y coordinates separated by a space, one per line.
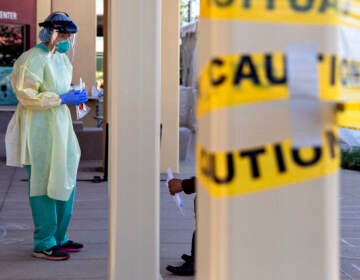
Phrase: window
pixel 12 43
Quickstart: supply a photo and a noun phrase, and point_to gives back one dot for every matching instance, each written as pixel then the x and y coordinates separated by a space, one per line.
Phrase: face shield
pixel 63 32
pixel 64 43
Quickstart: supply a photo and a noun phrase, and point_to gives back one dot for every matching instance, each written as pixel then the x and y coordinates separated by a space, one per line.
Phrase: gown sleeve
pixel 26 83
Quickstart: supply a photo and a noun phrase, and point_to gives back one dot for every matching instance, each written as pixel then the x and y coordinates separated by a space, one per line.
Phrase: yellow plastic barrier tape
pixel 323 12
pixel 275 165
pixel 348 115
pixel 246 78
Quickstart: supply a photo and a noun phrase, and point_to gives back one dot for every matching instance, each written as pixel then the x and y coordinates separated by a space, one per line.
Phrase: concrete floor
pixel 350 225
pixel 89 225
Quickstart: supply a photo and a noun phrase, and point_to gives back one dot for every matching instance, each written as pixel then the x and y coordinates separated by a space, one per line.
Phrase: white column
pixel 134 62
pixel 264 210
pixel 169 151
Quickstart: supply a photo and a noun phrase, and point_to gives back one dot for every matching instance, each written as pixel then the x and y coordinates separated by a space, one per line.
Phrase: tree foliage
pixel 185 14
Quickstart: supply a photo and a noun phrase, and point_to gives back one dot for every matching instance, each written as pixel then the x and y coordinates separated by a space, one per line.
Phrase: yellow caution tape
pixel 321 12
pixel 348 115
pixel 246 78
pixel 240 172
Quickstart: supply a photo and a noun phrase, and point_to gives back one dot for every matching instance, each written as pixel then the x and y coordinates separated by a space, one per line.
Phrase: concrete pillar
pixel 134 125
pixel 170 86
pixel 267 162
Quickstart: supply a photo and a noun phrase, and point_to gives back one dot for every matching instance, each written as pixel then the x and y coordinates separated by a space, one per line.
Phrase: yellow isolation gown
pixel 40 133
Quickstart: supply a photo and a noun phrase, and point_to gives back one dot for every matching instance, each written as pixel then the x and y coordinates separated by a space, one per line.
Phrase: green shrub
pixel 350 159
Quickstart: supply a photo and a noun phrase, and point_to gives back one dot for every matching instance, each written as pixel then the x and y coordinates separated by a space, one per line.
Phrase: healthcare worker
pixel 40 134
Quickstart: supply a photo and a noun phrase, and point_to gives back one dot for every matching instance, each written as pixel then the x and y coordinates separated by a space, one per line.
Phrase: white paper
pixel 302 71
pixel 304 101
pixel 176 197
pixel 81 110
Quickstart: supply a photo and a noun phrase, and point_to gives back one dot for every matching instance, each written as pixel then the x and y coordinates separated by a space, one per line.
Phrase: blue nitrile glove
pixel 84 95
pixel 74 97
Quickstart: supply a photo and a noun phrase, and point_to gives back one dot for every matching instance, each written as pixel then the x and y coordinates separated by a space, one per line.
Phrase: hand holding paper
pixel 176 196
pixel 81 110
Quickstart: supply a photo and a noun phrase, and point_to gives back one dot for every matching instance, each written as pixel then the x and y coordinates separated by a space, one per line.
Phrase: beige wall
pixel 43 9
pixel 85 56
pixel 170 86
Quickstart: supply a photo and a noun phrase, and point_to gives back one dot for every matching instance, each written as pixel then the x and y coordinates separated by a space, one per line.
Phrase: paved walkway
pixel 90 225
pixel 350 224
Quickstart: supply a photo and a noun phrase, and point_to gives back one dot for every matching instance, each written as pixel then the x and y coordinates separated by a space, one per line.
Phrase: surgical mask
pixel 63 46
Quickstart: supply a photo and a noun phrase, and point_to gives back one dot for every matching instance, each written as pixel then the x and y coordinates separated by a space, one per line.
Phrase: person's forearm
pixel 26 87
pixel 38 101
pixel 188 185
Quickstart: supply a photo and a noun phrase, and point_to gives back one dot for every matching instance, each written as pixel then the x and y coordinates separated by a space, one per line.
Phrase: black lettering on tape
pixel 224 3
pixel 327 4
pixel 270 4
pixel 333 70
pixel 280 158
pixel 208 166
pixel 222 78
pixel 300 6
pixel 247 4
pixel 274 70
pixel 208 161
pixel 241 73
pixel 332 142
pixel 253 156
pixel 270 70
pixel 229 167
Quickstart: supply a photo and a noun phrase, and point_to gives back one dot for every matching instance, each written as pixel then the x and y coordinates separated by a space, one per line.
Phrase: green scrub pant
pixel 51 219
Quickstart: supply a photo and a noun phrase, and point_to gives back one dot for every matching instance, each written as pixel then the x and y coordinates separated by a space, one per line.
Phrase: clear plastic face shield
pixel 64 43
pixel 59 30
